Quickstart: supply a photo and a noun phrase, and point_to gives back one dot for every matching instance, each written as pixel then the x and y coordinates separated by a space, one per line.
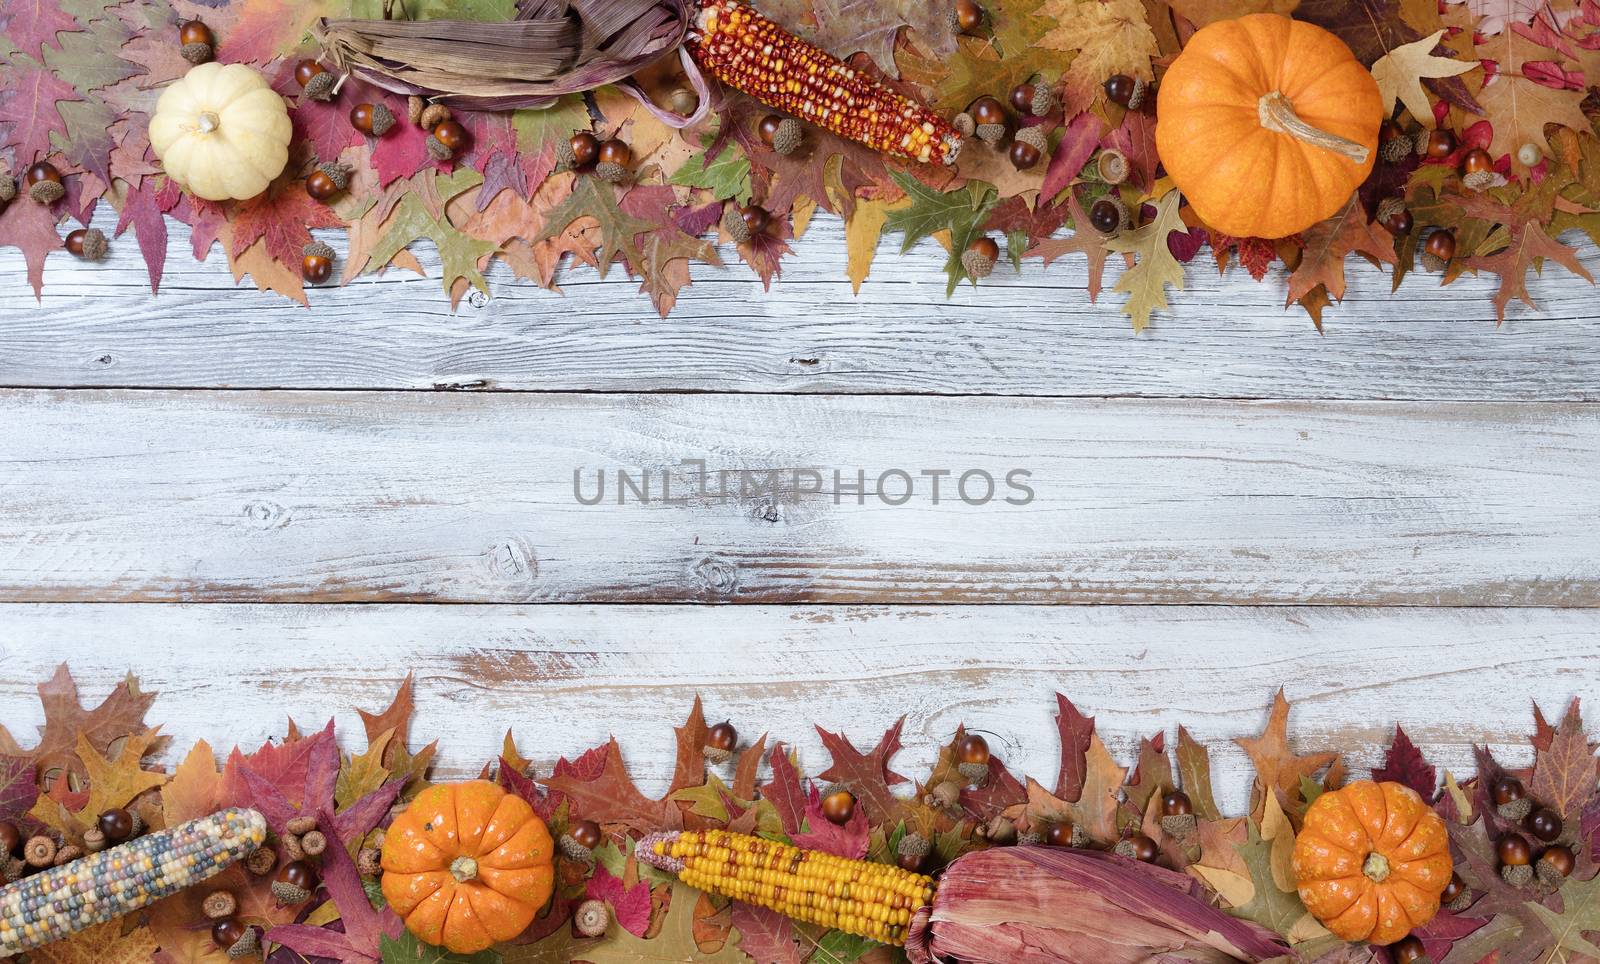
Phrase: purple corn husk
pixel 552 48
pixel 1048 905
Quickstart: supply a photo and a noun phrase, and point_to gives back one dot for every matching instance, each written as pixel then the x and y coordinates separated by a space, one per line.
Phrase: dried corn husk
pixel 554 47
pixel 1051 905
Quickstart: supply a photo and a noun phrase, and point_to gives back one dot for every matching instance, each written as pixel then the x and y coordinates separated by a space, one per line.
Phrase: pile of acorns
pixel 43 184
pixel 584 153
pixel 989 121
pixel 24 856
pixel 1535 827
pixel 302 843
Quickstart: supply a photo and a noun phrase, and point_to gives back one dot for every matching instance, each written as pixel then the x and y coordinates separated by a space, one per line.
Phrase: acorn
pixel 592 918
pixel 577 152
pixel 87 243
pixel 10 838
pixel 369 862
pixel 1555 865
pixel 294 883
pixel 227 932
pixel 197 40
pixel 219 904
pixel 432 116
pixel 43 183
pixel 374 120
pixel 261 861
pixel 1065 834
pixel 1177 814
pixel 966 16
pixel 579 841
pixel 720 742
pixel 13 870
pixel 1545 824
pixel 1528 155
pixel 1515 858
pixel 247 946
pixel 300 826
pixel 756 219
pixel 683 101
pixel 1437 144
pixel 783 134
pixel 838 803
pixel 1394 145
pixel 8 189
pixel 964 124
pixel 972 753
pixel 1129 92
pixel 1000 830
pixel 733 223
pixel 1477 169
pixel 316 266
pixel 39 852
pixel 1112 166
pixel 1437 253
pixel 1029 147
pixel 990 119
pixel 119 824
pixel 943 796
pixel 327 180
pixel 1109 215
pixel 1030 838
pixel 306 69
pixel 1394 216
pixel 980 257
pixel 321 85
pixel 1407 950
pixel 291 842
pixel 1137 847
pixel 1510 797
pixel 1457 896
pixel 414 107
pixel 612 165
pixel 67 855
pixel 912 853
pixel 94 841
pixel 448 139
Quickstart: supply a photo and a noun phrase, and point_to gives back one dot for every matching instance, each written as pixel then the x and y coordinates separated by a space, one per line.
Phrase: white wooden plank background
pixel 566 676
pixel 1414 456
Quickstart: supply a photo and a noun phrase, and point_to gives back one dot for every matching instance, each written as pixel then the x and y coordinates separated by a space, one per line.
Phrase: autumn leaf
pixel 1518 106
pixel 978 67
pixel 66 722
pixel 1373 28
pixel 31 26
pixel 862 232
pixel 458 253
pixel 1194 775
pixel 866 774
pixel 1106 37
pixel 31 228
pixel 1579 914
pixel 785 792
pixel 769 936
pixel 598 787
pixel 596 201
pixel 1278 769
pixel 100 944
pixel 406 949
pixel 1204 12
pixel 674 942
pixel 1084 240
pixel 1527 247
pixel 1327 245
pixel 1405 765
pixel 726 175
pixel 1146 282
pixel 1400 73
pixel 845 27
pixel 1151 776
pixel 1564 773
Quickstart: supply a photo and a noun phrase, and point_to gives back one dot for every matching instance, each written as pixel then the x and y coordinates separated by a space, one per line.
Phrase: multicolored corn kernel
pixel 859 897
pixel 751 53
pixel 100 887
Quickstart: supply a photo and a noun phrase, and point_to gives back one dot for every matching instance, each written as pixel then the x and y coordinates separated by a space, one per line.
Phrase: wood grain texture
pixel 459 497
pixel 563 677
pixel 1030 334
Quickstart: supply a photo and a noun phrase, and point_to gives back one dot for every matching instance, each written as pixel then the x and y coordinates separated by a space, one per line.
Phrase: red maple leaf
pixel 282 216
pixel 29 112
pixel 630 905
pixel 141 209
pixel 785 793
pixel 325 125
pixel 866 774
pixel 1405 764
pixel 32 228
pixel 848 840
pixel 30 24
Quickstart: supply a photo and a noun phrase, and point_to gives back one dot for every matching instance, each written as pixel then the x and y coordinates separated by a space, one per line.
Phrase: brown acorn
pixel 432 116
pixel 1438 144
pixel 43 183
pixel 912 853
pixel 87 243
pixel 301 825
pixel 980 257
pixel 1545 824
pixel 1129 92
pixel 227 932
pixel 1021 98
pixel 197 42
pixel 592 918
pixel 1556 864
pixel 1394 144
pixel 414 107
pixel 316 266
pixel 966 17
pixel 1394 216
pixel 8 189
pixel 39 852
pixel 1477 169
pixel 613 161
pixel 261 861
pixel 783 134
pixel 1064 834
pixel 1457 895
pixel 838 803
pixel 294 883
pixel 1109 215
pixel 1028 148
pixel 327 180
pixel 1407 950
pixel 733 223
pixel 119 824
pixel 756 219
pixel 1437 253
pixel 720 743
pixel 579 841
pixel 1177 814
pixel 374 120
pixel 991 120
pixel 1137 847
pixel 1510 798
pixel 683 101
pixel 304 70
pixel 10 838
pixel 944 795
pixel 448 139
pixel 972 753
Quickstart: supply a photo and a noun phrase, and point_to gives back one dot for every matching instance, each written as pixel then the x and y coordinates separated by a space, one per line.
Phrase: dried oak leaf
pixel 595 201
pixel 1401 71
pixel 1327 245
pixel 1105 37
pixel 1155 267
pixel 674 942
pixel 872 27
pixel 984 66
pixel 119 715
pixel 1373 28
pixel 1087 788
pixel 1568 928
pixel 829 170
pixel 598 788
pixel 1194 775
pixel 663 268
pixel 32 26
pixel 1564 772
pixel 397 757
pixel 1084 240
pixel 281 218
pixel 30 109
pixel 867 774
pixel 1278 769
pixel 1527 248
pixel 785 791
pixel 1405 764
pixel 1152 774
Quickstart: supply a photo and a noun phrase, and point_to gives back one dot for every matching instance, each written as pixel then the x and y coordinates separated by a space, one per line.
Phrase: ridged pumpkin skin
pixel 467 866
pixel 1240 177
pixel 221 132
pixel 1371 861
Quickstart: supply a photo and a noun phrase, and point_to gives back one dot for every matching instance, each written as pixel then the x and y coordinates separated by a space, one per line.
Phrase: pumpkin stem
pixel 1277 114
pixel 1376 868
pixel 464 869
pixel 208 122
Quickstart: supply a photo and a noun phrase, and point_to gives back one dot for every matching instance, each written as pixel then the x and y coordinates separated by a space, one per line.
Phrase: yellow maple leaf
pixel 861 235
pixel 364 773
pixel 1519 108
pixel 1109 37
pixel 1401 71
pixel 195 789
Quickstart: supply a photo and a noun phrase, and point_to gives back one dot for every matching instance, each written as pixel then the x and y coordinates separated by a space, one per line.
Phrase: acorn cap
pixel 261 861
pixel 964 124
pixel 1419 141
pixel 1432 262
pixel 611 173
pixel 592 918
pixel 1112 166
pixel 1398 149
pixel 788 137
pixel 1517 875
pixel 302 825
pixel 8 187
pixel 1044 100
pixel 573 850
pixel 733 223
pixel 437 150
pixel 991 134
pixel 1388 208
pixel 1000 829
pixel 291 843
pixel 1548 874
pixel 1179 824
pixel 39 852
pixel 197 54
pixel 369 862
pixel 433 115
pixel 14 870
pixel 834 788
pixel 1140 90
pixel 1124 848
pixel 977 265
pixel 321 86
pixel 914 845
pixel 316 249
pixel 287 895
pixel 566 158
pixel 414 107
pixel 340 176
pixel 382 120
pixel 1029 838
pixel 1480 180
pixel 69 853
pixel 314 842
pixel 976 773
pixel 1516 810
pixel 1462 901
pixel 219 904
pixel 246 946
pixel 716 754
pixel 94 248
pixel 94 840
pixel 47 192
pixel 1034 137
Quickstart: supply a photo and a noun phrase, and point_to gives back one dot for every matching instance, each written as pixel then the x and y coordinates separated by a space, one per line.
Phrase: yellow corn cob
pixel 91 890
pixel 748 52
pixel 856 896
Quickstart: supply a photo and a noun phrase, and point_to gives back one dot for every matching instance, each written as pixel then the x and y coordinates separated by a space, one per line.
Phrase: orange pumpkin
pixel 467 865
pixel 1267 125
pixel 1371 861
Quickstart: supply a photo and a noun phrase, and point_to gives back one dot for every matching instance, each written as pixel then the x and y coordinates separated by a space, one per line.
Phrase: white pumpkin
pixel 221 132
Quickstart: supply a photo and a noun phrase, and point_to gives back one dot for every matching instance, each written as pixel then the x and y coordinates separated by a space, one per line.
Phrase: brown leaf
pixel 867 774
pixel 1077 733
pixel 1278 769
pixel 1330 242
pixel 611 796
pixel 121 714
pixel 1194 771
pixel 1564 775
pixel 101 944
pixel 1085 241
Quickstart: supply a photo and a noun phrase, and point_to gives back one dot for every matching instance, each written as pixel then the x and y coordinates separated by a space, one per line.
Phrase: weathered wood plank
pixel 564 677
pixel 1033 334
pixel 328 497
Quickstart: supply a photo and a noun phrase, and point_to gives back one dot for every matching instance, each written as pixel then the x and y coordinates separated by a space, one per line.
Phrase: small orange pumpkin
pixel 1371 861
pixel 467 865
pixel 1267 125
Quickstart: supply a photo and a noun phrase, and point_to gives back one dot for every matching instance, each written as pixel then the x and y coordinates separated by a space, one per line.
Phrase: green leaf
pixel 725 176
pixel 1310 790
pixel 408 950
pixel 411 221
pixel 1016 247
pixel 1580 911
pixel 1273 908
pixel 536 128
pixel 930 211
pixel 1146 282
pixel 619 231
pixel 837 947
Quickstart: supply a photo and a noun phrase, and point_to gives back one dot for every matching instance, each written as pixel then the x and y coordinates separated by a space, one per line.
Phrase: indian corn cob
pixel 746 51
pixel 858 897
pixel 55 903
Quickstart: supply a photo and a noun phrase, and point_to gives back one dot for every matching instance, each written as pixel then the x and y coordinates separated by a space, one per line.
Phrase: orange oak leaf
pixel 1278 769
pixel 1330 242
pixel 598 788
